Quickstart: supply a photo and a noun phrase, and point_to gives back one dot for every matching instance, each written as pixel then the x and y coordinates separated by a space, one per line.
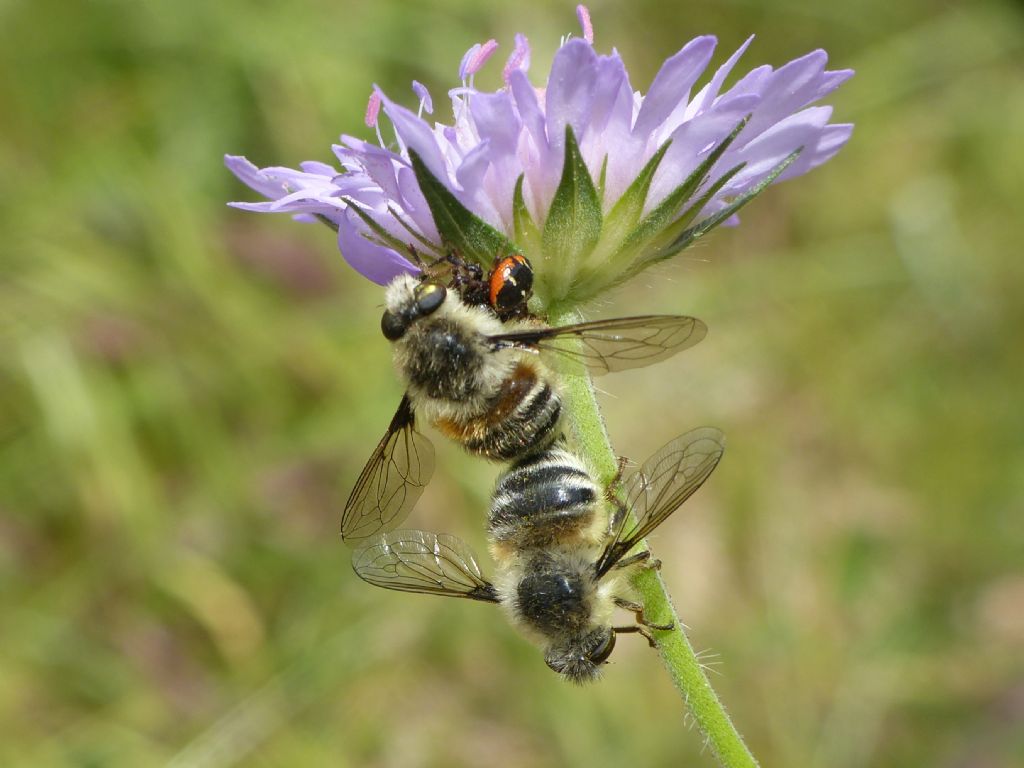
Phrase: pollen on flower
pixel 519 59
pixel 476 57
pixel 373 113
pixel 583 15
pixel 372 109
pixel 589 178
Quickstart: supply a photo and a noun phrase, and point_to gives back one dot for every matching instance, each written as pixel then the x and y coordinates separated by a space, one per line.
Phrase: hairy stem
pixel 676 652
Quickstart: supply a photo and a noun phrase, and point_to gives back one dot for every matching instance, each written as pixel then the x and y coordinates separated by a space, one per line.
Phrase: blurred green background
pixel 187 393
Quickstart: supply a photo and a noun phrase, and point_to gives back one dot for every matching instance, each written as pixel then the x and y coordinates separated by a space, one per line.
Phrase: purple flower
pixel 592 180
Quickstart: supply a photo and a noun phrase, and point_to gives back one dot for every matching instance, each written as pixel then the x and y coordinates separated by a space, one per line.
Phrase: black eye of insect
pixel 429 297
pixel 511 283
pixel 601 652
pixel 392 326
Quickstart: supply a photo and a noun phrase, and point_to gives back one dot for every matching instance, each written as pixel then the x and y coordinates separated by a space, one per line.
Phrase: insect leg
pixel 615 484
pixel 417 259
pixel 613 497
pixel 640 630
pixel 638 611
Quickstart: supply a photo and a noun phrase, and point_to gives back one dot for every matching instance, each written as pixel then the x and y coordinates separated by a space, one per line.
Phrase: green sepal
pixel 664 245
pixel 526 232
pixel 460 229
pixel 705 226
pixel 626 212
pixel 665 212
pixel 383 237
pixel 324 220
pixel 573 226
pixel 412 230
pixel 670 233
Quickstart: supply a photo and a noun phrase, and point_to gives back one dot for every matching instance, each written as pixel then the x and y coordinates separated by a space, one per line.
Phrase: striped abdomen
pixel 546 499
pixel 522 418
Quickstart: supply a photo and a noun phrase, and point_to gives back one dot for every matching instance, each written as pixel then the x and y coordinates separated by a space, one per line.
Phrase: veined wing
pixel 606 346
pixel 391 482
pixel 420 561
pixel 661 485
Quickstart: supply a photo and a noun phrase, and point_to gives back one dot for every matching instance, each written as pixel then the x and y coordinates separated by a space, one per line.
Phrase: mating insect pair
pixel 482 383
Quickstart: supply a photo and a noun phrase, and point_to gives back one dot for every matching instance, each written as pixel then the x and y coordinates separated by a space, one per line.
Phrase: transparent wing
pixel 420 561
pixel 606 346
pixel 661 485
pixel 391 482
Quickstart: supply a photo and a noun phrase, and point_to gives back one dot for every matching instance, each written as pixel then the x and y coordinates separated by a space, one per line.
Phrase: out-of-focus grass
pixel 186 393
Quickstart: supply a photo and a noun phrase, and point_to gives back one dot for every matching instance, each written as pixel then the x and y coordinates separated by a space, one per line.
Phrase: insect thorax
pixel 554 595
pixel 443 360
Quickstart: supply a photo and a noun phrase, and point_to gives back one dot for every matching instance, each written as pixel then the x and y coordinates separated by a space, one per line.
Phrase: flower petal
pixel 788 89
pixel 770 148
pixel 375 262
pixel 693 140
pixel 253 177
pixel 544 167
pixel 317 168
pixel 496 120
pixel 417 135
pixel 569 92
pixel 499 128
pixel 710 92
pixel 311 190
pixel 830 80
pixel 376 163
pixel 672 84
pixel 830 141
pixel 414 204
pixel 609 135
pixel 470 175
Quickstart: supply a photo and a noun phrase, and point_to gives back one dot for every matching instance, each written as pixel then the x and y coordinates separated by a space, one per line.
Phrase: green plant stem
pixel 676 652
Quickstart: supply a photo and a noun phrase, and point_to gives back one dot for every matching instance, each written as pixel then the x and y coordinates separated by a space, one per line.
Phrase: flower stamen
pixel 372 114
pixel 520 58
pixel 481 56
pixel 583 15
pixel 426 103
pixel 475 59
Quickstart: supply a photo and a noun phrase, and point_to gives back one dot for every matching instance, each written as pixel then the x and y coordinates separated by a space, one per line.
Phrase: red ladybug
pixel 511 284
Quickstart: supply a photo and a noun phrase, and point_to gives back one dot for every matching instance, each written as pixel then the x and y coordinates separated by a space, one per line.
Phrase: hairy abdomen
pixel 523 417
pixel 546 499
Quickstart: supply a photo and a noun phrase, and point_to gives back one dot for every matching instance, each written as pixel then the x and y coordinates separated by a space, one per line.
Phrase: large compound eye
pixel 604 648
pixel 392 326
pixel 429 297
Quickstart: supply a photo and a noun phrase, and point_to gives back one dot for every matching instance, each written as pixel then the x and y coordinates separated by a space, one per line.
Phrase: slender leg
pixel 619 470
pixel 612 489
pixel 638 611
pixel 639 630
pixel 415 255
pixel 618 515
pixel 611 493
